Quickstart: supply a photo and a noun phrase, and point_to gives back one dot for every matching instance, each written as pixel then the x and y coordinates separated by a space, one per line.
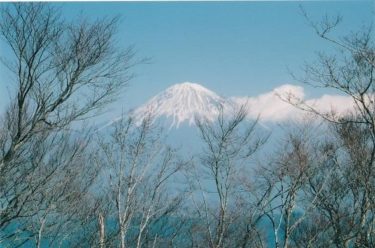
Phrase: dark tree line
pixel 61 186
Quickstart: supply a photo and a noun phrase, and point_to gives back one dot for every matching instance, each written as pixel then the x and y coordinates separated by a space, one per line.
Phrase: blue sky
pixel 232 48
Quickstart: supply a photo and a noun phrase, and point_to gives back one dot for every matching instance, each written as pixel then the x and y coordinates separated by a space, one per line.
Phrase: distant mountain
pixel 183 103
pixel 178 106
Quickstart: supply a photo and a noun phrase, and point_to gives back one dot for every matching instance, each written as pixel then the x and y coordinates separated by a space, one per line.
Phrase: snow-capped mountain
pixel 182 103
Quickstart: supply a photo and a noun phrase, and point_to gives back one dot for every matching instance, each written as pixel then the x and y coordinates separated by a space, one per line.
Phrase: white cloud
pixel 270 107
pixel 332 103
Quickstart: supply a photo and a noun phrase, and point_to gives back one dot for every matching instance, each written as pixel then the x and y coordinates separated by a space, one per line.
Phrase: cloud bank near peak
pixel 271 107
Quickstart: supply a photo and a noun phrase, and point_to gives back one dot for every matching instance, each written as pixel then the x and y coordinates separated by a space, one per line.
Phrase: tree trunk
pixel 39 240
pixel 101 231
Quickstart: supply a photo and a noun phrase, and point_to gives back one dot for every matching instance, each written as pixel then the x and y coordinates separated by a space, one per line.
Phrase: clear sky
pixel 232 48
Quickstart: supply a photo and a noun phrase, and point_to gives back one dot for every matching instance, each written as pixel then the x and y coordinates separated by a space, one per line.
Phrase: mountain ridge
pixel 183 102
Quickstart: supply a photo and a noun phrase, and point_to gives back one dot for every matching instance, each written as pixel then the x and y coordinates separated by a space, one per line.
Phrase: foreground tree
pixel 346 204
pixel 137 184
pixel 283 180
pixel 229 144
pixel 62 72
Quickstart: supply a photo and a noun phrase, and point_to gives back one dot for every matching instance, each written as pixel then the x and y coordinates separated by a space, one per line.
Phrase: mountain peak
pixel 182 102
pixel 188 86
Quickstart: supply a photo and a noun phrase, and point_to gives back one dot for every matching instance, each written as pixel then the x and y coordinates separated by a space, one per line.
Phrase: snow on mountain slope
pixel 183 103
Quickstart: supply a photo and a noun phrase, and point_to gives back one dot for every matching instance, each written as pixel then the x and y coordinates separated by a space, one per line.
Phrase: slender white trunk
pixel 101 231
pixel 39 240
pixel 122 235
pixel 276 238
pixel 142 228
pixel 120 220
pixel 154 244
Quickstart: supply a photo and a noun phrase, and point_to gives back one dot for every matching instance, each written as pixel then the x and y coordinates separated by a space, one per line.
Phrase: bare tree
pixel 283 179
pixel 62 72
pixel 336 187
pixel 229 143
pixel 346 202
pixel 137 169
pixel 55 64
pixel 51 195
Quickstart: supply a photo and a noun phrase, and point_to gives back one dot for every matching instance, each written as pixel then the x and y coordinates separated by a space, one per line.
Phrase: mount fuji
pixel 178 107
pixel 183 103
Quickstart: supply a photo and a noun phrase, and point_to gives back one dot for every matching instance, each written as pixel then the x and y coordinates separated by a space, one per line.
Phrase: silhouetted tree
pixel 61 73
